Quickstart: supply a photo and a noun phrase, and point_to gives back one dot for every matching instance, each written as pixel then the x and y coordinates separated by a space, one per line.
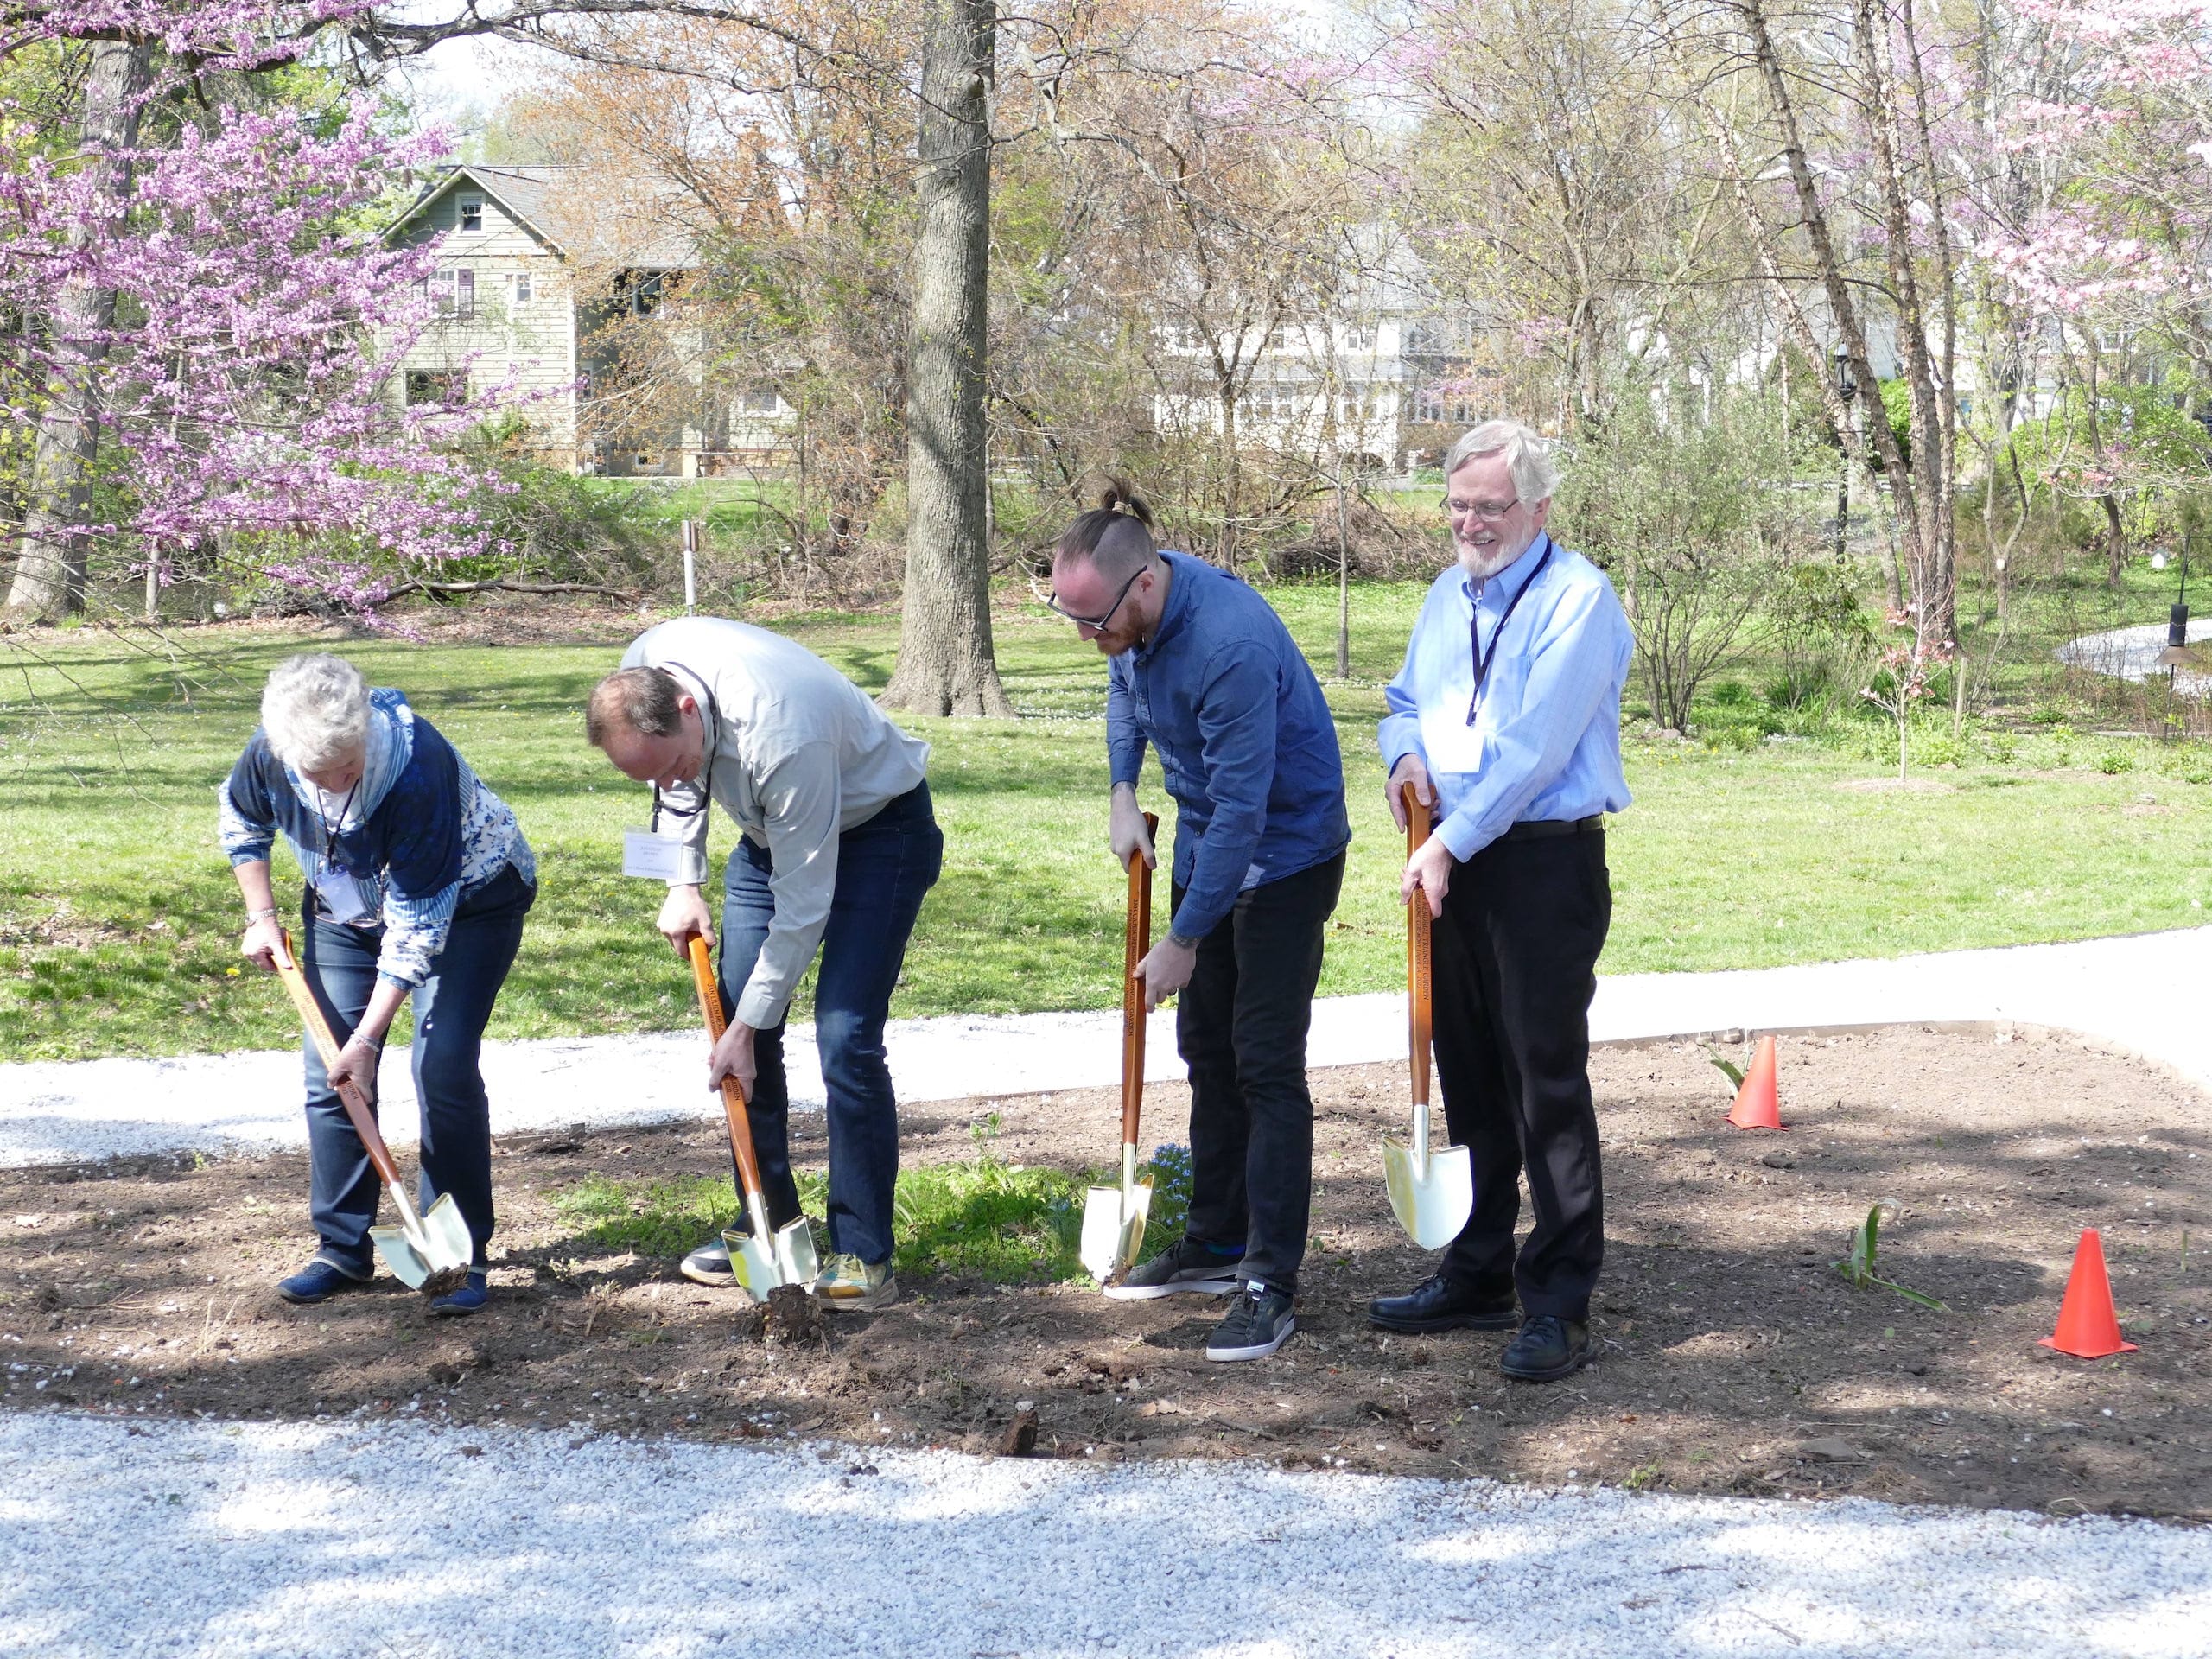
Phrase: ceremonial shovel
pixel 761 1259
pixel 430 1252
pixel 1113 1217
pixel 1432 1192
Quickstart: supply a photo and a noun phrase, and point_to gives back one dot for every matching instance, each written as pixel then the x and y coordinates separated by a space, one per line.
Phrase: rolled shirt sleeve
pixel 245 822
pixel 1236 726
pixel 801 797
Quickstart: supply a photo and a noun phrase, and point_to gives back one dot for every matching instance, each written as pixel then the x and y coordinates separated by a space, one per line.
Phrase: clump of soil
pixel 1732 1358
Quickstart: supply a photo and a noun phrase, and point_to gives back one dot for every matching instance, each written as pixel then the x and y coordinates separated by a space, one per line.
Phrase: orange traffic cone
pixel 2088 1327
pixel 1758 1106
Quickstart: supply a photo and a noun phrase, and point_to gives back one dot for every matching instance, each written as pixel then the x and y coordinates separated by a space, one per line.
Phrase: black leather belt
pixel 1544 828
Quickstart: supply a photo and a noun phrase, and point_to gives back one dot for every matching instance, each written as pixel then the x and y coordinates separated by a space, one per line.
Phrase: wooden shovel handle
pixel 740 1126
pixel 1418 995
pixel 1137 941
pixel 356 1104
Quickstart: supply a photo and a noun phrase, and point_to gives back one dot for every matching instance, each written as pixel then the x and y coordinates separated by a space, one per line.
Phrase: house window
pixel 472 212
pixel 1428 403
pixel 447 386
pixel 453 291
pixel 1359 337
pixel 1180 337
pixel 522 288
pixel 758 400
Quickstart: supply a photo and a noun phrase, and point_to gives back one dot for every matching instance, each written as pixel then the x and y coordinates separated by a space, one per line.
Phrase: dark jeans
pixel 884 869
pixel 1241 1028
pixel 451 1009
pixel 1514 969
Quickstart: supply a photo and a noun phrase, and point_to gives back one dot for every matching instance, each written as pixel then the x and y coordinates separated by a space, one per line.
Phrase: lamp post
pixel 2177 651
pixel 1847 389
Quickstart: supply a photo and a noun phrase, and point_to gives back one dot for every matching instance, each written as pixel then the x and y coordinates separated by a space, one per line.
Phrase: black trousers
pixel 1515 957
pixel 1241 1027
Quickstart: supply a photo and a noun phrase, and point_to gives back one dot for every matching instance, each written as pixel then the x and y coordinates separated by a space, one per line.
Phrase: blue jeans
pixel 884 867
pixel 452 1008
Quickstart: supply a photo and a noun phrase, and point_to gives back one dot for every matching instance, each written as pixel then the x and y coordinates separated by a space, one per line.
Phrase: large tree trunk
pixel 55 549
pixel 945 663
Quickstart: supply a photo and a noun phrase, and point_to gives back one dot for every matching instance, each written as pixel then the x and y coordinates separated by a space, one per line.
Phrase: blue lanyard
pixel 1475 631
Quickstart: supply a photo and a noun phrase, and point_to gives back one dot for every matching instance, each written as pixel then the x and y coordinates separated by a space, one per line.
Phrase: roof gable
pixel 521 191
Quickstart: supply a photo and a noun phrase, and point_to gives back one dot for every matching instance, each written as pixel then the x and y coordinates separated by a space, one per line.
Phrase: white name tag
pixel 344 899
pixel 644 854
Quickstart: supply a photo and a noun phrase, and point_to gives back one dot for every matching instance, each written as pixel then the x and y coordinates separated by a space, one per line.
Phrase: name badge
pixel 343 898
pixel 644 854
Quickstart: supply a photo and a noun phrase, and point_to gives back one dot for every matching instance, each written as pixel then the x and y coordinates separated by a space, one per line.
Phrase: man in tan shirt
pixel 838 845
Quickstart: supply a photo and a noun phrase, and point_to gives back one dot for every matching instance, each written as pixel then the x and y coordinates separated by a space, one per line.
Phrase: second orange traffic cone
pixel 2088 1326
pixel 1757 1105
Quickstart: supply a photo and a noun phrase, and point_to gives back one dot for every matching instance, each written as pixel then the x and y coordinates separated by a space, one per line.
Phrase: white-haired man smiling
pixel 1506 720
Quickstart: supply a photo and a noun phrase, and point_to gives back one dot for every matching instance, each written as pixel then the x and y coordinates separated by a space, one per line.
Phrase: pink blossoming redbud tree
pixel 213 363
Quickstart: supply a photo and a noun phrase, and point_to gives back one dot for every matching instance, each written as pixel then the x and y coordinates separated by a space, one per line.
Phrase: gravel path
pixel 308 1540
pixel 2138 992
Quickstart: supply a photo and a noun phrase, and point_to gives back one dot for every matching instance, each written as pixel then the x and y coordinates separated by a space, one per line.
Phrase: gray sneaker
pixel 1187 1268
pixel 1260 1321
pixel 709 1265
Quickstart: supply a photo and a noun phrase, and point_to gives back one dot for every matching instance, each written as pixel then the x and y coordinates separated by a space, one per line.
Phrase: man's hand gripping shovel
pixel 430 1252
pixel 1432 1192
pixel 1114 1216
pixel 761 1259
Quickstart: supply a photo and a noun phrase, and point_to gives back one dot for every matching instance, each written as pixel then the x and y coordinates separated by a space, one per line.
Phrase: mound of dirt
pixel 1732 1356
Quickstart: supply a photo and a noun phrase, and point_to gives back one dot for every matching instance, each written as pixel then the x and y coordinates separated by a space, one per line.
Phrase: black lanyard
pixel 329 835
pixel 707 787
pixel 1475 631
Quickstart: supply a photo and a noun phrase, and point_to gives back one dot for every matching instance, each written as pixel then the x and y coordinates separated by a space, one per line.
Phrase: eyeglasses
pixel 1051 601
pixel 1488 511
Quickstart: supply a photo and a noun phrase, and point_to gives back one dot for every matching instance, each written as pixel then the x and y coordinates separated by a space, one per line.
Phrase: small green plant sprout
pixel 1860 1267
pixel 1729 1069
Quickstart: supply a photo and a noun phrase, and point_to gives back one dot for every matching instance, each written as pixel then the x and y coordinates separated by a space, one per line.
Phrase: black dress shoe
pixel 1547 1349
pixel 1437 1304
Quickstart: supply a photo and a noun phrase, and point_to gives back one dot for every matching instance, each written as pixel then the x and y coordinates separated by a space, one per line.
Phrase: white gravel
pixel 2136 993
pixel 229 1540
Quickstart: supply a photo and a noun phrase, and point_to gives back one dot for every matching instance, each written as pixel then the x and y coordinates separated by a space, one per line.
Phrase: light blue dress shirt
pixel 1546 740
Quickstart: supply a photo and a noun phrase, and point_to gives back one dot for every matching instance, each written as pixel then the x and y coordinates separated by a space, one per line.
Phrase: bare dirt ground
pixel 1732 1358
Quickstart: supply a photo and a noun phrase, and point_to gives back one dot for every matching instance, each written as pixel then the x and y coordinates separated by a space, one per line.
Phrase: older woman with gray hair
pixel 417 881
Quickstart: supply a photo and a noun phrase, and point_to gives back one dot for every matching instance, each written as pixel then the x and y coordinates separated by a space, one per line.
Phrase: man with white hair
pixel 1505 719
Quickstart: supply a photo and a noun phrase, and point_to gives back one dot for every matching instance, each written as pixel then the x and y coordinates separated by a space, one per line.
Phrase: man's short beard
pixel 1483 568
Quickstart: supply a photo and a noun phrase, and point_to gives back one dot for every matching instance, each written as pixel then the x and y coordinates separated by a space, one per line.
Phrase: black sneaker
pixel 1260 1321
pixel 1187 1266
pixel 1546 1350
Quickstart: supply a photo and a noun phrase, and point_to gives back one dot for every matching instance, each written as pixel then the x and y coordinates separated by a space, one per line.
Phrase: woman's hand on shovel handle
pixel 1429 872
pixel 1166 970
pixel 263 942
pixel 733 1057
pixel 1410 769
pixel 357 1066
pixel 684 914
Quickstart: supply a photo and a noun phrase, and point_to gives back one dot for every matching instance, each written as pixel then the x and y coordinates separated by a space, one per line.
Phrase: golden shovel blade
pixel 762 1263
pixel 1112 1228
pixel 1432 1190
pixel 439 1242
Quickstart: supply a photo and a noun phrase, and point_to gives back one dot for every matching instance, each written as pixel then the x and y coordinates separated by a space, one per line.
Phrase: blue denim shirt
pixel 1246 742
pixel 1545 742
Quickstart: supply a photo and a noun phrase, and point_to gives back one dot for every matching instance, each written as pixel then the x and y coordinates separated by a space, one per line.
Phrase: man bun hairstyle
pixel 645 701
pixel 1530 457
pixel 314 711
pixel 1116 536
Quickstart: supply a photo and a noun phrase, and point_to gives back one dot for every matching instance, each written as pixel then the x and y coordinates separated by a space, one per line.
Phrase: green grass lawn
pixel 119 920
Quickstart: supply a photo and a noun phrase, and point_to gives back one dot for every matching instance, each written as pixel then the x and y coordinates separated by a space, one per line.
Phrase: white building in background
pixel 535 264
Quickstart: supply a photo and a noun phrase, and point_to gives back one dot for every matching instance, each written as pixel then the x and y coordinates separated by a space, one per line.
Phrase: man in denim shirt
pixel 1507 719
pixel 1202 670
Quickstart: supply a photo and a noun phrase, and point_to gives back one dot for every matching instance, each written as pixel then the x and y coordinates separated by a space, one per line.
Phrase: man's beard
pixel 1484 568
